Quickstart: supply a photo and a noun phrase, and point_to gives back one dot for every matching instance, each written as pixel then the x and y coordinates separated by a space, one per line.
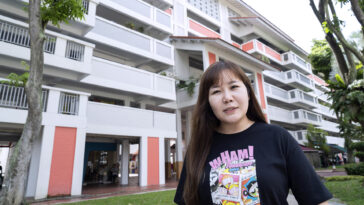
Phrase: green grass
pixel 349 191
pixel 161 198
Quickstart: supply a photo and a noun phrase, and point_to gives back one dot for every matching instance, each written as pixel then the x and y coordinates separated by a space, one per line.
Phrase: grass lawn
pixel 348 191
pixel 162 198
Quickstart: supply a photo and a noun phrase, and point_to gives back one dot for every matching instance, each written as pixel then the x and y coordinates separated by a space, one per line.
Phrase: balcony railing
pixel 106 116
pixel 68 104
pixel 294 61
pixel 20 36
pixel 300 116
pixel 15 97
pixel 202 30
pixel 292 77
pixel 146 12
pixel 85 4
pixel 131 40
pixel 257 46
pixel 75 51
pixel 295 96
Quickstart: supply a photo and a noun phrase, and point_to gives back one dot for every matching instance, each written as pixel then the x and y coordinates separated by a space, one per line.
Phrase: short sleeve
pixel 303 180
pixel 178 198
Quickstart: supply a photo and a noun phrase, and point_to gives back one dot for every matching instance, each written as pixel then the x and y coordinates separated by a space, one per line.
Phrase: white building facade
pixel 110 82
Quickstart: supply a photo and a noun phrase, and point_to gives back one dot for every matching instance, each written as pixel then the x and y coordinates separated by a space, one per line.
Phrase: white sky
pixel 296 18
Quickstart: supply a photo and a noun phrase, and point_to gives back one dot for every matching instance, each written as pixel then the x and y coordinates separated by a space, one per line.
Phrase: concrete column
pixel 77 174
pixel 188 127
pixel 260 93
pixel 53 101
pixel 167 157
pixel 162 173
pixel 143 161
pixel 119 150
pixel 179 144
pixel 45 161
pixel 125 163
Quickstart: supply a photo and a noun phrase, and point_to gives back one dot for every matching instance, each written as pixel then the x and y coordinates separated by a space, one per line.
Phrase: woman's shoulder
pixel 274 129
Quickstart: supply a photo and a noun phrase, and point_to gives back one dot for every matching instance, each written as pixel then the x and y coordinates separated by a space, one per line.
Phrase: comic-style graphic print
pixel 233 179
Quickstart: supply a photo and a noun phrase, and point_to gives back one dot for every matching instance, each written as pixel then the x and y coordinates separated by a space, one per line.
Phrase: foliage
pixel 160 198
pixel 317 139
pixel 18 80
pixel 55 11
pixel 355 169
pixel 320 58
pixel 189 85
pixel 359 147
pixel 345 178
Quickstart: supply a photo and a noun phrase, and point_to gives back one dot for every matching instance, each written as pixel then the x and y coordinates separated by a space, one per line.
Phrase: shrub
pixel 345 178
pixel 355 169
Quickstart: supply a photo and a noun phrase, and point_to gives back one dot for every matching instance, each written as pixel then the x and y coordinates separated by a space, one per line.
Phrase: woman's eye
pixel 215 91
pixel 234 86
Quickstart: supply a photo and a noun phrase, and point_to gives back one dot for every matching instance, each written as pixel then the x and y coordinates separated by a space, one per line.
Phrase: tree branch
pixel 341 37
pixel 358 12
pixel 320 15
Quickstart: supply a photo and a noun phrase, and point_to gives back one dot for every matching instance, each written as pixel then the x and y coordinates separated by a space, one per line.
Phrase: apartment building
pixel 110 86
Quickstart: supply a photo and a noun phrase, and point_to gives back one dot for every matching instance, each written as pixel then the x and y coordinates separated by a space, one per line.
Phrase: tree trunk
pixel 349 153
pixel 16 180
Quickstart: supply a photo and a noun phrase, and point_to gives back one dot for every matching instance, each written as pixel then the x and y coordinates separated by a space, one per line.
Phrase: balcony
pixel 291 77
pixel 330 126
pixel 184 99
pixel 255 46
pixel 300 136
pixel 141 11
pixel 303 99
pixel 293 61
pixel 326 111
pixel 130 44
pixel 321 95
pixel 122 77
pixel 300 117
pixel 201 30
pixel 60 52
pixel 59 106
pixel 296 96
pixel 79 27
pixel 120 120
pixel 161 4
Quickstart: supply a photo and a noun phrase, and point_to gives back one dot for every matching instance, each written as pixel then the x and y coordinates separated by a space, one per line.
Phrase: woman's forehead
pixel 225 76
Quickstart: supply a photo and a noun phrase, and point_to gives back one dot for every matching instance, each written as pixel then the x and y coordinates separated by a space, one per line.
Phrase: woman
pixel 233 148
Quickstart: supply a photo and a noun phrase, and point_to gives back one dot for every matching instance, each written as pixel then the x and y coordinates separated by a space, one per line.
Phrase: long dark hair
pixel 204 123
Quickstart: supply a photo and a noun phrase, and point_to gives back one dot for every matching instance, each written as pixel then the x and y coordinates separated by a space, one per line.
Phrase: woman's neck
pixel 228 128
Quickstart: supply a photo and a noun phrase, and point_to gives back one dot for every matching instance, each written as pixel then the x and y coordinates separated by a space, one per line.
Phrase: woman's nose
pixel 227 97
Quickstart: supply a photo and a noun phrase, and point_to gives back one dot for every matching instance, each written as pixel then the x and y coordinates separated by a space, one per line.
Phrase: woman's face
pixel 229 101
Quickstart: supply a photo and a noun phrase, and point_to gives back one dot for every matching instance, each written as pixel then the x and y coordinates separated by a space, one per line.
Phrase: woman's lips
pixel 229 110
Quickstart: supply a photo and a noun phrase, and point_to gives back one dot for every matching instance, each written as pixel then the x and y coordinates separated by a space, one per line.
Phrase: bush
pixel 345 178
pixel 355 169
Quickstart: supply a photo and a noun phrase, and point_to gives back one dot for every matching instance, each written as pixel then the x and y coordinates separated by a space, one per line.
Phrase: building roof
pixel 308 149
pixel 227 45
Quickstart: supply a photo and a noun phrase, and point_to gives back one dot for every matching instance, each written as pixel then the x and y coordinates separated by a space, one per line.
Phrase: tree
pixel 346 88
pixel 316 138
pixel 40 12
pixel 359 147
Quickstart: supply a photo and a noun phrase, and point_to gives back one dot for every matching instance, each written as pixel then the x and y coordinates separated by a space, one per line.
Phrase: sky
pixel 296 18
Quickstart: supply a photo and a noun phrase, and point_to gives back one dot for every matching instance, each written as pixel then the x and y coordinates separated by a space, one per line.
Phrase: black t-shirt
pixel 257 166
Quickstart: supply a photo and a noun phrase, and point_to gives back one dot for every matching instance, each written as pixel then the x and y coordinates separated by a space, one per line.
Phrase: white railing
pixel 294 75
pixel 127 118
pixel 154 15
pixel 20 36
pixel 257 46
pixel 122 77
pixel 132 41
pixel 290 57
pixel 85 4
pixel 15 97
pixel 75 51
pixel 306 116
pixel 68 104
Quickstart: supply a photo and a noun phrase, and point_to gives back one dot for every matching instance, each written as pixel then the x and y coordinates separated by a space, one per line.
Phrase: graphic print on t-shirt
pixel 233 178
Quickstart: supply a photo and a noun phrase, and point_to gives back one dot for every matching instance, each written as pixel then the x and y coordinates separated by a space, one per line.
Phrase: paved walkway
pixel 104 191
